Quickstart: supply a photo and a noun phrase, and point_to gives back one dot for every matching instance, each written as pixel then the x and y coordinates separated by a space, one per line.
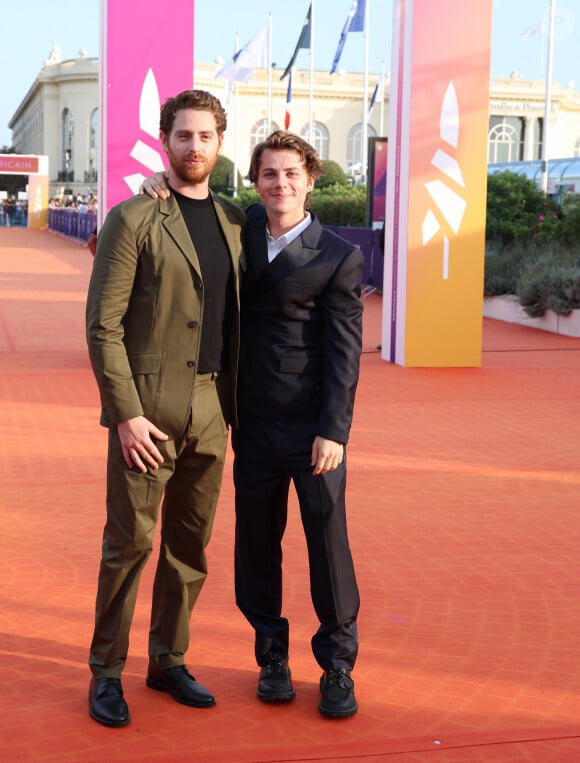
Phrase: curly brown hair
pixel 200 100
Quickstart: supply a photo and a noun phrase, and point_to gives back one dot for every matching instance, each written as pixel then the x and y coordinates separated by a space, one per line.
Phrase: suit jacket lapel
pixel 228 230
pixel 292 257
pixel 296 255
pixel 176 228
pixel 256 246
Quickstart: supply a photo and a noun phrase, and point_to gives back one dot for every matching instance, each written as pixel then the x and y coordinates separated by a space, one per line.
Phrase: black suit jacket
pixel 301 328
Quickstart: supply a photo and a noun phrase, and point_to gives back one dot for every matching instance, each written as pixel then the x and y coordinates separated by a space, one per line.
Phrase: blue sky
pixel 30 27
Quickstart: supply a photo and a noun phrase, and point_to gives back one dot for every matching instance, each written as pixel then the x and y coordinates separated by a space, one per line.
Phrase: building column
pixel 530 122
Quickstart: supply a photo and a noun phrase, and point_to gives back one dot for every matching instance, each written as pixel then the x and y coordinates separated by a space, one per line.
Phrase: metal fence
pixel 72 223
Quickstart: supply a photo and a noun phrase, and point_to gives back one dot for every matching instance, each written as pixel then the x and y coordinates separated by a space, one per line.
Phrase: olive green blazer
pixel 145 307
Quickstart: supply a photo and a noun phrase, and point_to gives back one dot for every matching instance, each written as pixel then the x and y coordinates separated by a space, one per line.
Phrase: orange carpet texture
pixel 464 519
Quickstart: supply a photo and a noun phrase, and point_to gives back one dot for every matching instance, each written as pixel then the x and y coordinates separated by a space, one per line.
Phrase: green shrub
pixel 571 203
pixel 340 205
pixel 570 226
pixel 333 174
pixel 551 283
pixel 222 177
pixel 517 209
pixel 246 197
pixel 503 267
pixel 335 205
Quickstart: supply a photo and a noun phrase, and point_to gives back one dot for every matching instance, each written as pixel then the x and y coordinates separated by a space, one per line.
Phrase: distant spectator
pixel 9 209
pixel 92 242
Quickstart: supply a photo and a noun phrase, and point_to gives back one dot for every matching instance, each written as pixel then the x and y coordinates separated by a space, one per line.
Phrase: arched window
pixel 506 139
pixel 319 138
pixel 354 153
pixel 93 147
pixel 67 146
pixel 260 132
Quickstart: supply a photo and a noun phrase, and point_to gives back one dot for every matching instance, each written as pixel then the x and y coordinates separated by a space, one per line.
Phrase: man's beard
pixel 188 174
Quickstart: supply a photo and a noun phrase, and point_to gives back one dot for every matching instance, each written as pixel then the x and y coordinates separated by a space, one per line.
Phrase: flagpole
pixel 269 59
pixel 311 92
pixel 365 131
pixel 235 170
pixel 548 100
pixel 381 95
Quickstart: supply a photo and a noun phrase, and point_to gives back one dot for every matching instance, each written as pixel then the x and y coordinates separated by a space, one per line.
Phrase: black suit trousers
pixel 268 455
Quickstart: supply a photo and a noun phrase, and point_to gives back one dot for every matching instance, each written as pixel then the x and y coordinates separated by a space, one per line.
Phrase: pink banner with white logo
pixel 146 56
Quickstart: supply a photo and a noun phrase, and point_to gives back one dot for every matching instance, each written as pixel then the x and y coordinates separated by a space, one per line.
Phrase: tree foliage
pixel 335 205
pixel 517 209
pixel 333 174
pixel 222 178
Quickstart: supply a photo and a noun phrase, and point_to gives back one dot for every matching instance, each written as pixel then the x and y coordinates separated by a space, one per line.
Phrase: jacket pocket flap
pixel 299 365
pixel 146 364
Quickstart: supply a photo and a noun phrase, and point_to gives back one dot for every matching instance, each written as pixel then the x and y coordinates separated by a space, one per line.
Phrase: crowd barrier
pixel 71 223
pixel 80 225
pixel 369 242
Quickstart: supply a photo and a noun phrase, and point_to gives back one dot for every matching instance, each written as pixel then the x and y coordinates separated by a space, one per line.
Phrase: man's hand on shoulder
pixel 155 186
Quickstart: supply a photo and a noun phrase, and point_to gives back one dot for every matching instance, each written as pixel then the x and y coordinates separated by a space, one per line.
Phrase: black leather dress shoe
pixel 180 684
pixel 338 700
pixel 106 702
pixel 275 682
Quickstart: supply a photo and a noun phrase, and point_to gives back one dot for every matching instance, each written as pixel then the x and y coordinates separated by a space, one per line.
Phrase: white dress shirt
pixel 275 245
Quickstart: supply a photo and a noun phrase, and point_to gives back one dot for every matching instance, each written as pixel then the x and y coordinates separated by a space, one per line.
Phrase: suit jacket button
pixel 191 363
pixel 193 324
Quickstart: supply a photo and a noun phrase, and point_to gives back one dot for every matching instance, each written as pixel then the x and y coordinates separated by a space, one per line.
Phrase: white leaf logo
pixel 148 156
pixel 450 205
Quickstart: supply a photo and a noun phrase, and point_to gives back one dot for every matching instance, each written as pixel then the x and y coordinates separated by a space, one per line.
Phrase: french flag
pixel 288 103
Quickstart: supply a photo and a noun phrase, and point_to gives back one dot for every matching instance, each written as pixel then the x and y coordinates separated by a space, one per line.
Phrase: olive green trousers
pixel 185 490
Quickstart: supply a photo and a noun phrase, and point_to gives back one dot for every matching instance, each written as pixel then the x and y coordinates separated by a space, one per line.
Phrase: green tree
pixel 340 205
pixel 517 209
pixel 333 174
pixel 571 219
pixel 245 197
pixel 222 178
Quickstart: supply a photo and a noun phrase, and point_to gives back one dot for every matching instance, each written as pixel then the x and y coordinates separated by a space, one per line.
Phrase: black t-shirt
pixel 218 285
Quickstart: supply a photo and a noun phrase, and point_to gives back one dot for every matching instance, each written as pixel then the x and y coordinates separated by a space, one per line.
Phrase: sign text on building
pixel 18 164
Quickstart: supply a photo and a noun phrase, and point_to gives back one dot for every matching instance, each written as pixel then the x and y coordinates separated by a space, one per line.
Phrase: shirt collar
pixel 275 245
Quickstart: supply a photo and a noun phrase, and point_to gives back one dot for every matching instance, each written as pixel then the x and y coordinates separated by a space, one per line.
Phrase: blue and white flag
pixel 377 93
pixel 253 55
pixel 355 22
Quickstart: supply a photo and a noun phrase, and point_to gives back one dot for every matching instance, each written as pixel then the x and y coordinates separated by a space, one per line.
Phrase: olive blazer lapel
pixel 174 224
pixel 176 228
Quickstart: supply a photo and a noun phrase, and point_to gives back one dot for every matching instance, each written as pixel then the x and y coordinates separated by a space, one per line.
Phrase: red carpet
pixel 464 510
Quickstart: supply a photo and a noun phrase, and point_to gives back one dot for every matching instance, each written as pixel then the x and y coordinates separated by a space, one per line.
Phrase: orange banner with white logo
pixel 436 194
pixel 38 202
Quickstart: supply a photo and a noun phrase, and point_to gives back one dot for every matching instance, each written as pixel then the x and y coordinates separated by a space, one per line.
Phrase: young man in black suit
pixel 301 335
pixel 300 345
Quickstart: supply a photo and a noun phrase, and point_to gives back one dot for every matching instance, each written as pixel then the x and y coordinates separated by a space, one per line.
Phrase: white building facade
pixel 59 117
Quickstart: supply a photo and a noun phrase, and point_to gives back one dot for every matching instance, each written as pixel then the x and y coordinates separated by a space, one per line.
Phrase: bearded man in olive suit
pixel 163 336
